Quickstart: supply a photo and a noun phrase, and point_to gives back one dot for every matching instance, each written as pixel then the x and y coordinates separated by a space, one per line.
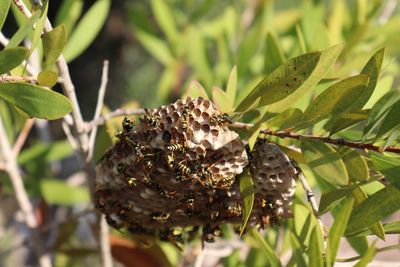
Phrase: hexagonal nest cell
pixel 175 171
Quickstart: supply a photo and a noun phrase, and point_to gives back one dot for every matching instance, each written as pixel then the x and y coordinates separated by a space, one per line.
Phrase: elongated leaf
pixel 327 59
pixel 53 44
pixel 282 82
pixel 11 58
pixel 356 165
pixel 68 14
pixel 325 162
pixel 36 101
pixel 339 227
pixel 376 228
pixel 391 120
pixel 154 46
pixel 58 192
pixel 331 198
pixel 315 250
pixel 374 208
pixel 87 29
pixel 388 166
pixel 195 89
pixel 274 56
pixel 19 36
pixel 358 243
pixel 4 7
pixel 345 120
pixel 367 257
pixel 165 18
pixel 372 69
pixel 297 251
pixel 231 86
pixel 39 26
pixel 221 99
pixel 334 100
pixel 247 192
pixel 389 228
pixel 54 152
pixel 378 111
pixel 273 260
pixel 287 119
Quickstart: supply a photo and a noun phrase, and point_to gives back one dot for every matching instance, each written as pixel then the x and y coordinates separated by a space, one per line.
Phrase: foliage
pixel 317 69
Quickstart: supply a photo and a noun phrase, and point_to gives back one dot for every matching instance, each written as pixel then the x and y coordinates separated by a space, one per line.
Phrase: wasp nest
pixel 176 169
pixel 274 180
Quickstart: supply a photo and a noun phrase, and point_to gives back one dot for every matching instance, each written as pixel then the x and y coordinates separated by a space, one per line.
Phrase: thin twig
pixel 7 78
pixel 22 198
pixel 116 113
pixel 340 142
pixel 99 107
pixel 22 137
pixel 105 242
pixel 391 247
pixel 313 204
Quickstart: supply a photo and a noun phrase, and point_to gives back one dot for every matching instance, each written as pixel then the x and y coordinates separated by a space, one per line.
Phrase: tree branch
pixel 10 162
pixel 22 137
pixel 116 113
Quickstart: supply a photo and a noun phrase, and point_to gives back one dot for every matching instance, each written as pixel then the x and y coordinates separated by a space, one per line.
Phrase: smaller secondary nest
pixel 176 170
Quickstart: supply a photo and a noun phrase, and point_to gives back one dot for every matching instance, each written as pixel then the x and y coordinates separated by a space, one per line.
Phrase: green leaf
pixel 47 78
pixel 315 250
pixel 155 46
pixel 376 228
pixel 391 120
pixel 273 259
pixel 165 18
pixel 287 119
pixel 326 60
pixel 372 69
pixel 358 243
pixel 330 199
pixel 324 161
pixel 388 228
pixel 231 86
pixel 274 55
pixel 345 120
pixel 356 165
pixel 367 257
pixel 388 166
pixel 334 100
pixel 247 192
pixel 374 208
pixel 19 36
pixel 53 44
pixel 376 114
pixel 221 99
pixel 68 14
pixel 4 8
pixel 282 82
pixel 87 29
pixel 195 89
pixel 60 193
pixel 339 227
pixel 39 26
pixel 297 251
pixel 11 58
pixel 36 101
pixel 54 152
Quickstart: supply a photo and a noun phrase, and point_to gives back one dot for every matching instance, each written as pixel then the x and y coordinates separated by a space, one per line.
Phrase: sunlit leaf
pixel 231 86
pixel 391 120
pixel 356 165
pixel 19 36
pixel 315 249
pixel 36 101
pixel 68 13
pixel 387 165
pixel 274 55
pixel 47 78
pixel 345 120
pixel 326 60
pixel 53 44
pixel 273 260
pixel 297 251
pixel 11 58
pixel 339 226
pixel 334 100
pixel 221 99
pixel 165 18
pixel 374 208
pixel 367 257
pixel 330 199
pixel 4 7
pixel 324 161
pixel 378 111
pixel 286 119
pixel 59 192
pixel 358 243
pixel 195 89
pixel 87 29
pixel 247 192
pixel 39 26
